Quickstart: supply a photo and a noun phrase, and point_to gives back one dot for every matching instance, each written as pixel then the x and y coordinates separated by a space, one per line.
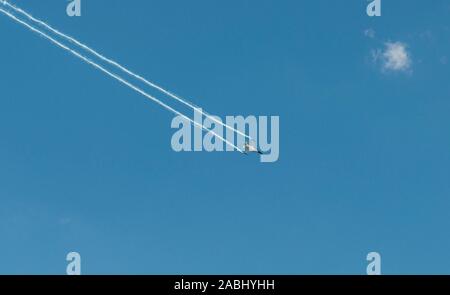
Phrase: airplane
pixel 249 148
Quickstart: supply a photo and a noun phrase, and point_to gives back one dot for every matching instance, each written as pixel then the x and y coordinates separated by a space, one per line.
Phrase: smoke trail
pixel 116 77
pixel 116 64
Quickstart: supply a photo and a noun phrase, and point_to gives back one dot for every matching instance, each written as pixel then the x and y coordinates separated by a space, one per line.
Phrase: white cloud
pixel 370 33
pixel 394 57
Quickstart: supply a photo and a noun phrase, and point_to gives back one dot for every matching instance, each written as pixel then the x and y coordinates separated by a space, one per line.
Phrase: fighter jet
pixel 251 148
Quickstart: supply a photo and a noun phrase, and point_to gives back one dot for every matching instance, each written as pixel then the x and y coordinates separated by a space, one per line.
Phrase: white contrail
pixel 114 63
pixel 117 77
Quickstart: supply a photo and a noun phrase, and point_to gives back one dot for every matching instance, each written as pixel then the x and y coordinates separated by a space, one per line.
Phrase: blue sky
pixel 86 164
